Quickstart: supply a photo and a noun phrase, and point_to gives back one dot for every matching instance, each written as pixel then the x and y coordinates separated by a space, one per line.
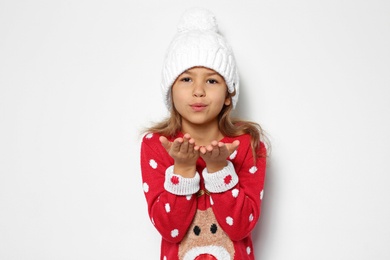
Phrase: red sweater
pixel 210 215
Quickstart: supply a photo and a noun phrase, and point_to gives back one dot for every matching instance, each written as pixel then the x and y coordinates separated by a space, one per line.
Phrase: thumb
pixel 165 143
pixel 233 146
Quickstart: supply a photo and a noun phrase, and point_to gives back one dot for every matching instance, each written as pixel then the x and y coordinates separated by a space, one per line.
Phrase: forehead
pixel 201 70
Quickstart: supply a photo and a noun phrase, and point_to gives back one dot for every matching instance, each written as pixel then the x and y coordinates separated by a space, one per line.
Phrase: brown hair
pixel 228 126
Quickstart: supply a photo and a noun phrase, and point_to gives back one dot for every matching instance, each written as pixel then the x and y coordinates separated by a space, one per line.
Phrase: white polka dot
pixel 253 169
pixel 188 197
pixel 233 155
pixel 148 136
pixel 251 217
pixel 211 201
pixel 261 194
pixel 165 258
pixel 235 193
pixel 248 250
pixel 167 208
pixel 146 187
pixel 153 164
pixel 174 233
pixel 229 221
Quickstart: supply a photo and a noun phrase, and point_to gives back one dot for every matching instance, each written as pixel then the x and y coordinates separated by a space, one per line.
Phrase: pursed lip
pixel 198 106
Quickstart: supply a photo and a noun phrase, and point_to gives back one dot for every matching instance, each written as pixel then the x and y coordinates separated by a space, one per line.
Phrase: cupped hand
pixel 216 153
pixel 184 152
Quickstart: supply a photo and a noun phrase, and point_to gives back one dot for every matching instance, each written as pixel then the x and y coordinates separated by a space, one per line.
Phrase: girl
pixel 203 172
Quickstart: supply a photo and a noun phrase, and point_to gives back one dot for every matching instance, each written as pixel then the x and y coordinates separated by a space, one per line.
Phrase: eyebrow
pixel 207 73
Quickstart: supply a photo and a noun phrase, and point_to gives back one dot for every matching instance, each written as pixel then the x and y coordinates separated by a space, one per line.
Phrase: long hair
pixel 228 126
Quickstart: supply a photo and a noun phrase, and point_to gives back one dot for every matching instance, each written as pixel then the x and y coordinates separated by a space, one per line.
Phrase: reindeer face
pixel 206 240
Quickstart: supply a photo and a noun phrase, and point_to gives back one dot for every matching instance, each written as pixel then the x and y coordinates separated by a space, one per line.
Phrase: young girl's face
pixel 198 95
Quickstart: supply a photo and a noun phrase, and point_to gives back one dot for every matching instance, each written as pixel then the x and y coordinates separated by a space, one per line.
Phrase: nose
pixel 199 90
pixel 205 257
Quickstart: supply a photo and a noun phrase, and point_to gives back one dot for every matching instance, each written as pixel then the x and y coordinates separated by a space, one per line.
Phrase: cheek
pixel 223 99
pixel 177 97
pixel 174 93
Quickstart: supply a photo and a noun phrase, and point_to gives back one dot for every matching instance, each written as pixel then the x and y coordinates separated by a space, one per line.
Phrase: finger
pixel 236 143
pixel 233 146
pixel 184 146
pixel 165 143
pixel 208 150
pixel 191 145
pixel 177 144
pixel 203 150
pixel 222 148
pixel 216 149
pixel 197 148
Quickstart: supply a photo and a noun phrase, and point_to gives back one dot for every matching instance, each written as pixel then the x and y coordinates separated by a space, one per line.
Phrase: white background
pixel 79 80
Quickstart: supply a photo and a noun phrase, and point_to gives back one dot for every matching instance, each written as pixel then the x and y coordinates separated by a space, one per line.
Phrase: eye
pixel 196 230
pixel 213 228
pixel 212 81
pixel 185 79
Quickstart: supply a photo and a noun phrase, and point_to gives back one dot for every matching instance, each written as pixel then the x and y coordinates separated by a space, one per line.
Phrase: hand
pixel 216 153
pixel 185 154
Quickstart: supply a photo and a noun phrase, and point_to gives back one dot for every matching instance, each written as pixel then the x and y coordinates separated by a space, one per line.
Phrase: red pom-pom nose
pixel 205 257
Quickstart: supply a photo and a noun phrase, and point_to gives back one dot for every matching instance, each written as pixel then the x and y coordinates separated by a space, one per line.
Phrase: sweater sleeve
pixel 237 208
pixel 170 213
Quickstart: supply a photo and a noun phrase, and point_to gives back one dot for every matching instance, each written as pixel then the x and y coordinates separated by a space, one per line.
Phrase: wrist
pixel 186 171
pixel 215 166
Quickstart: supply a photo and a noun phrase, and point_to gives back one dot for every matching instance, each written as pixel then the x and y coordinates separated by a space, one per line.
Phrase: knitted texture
pixel 178 185
pixel 218 221
pixel 222 180
pixel 198 43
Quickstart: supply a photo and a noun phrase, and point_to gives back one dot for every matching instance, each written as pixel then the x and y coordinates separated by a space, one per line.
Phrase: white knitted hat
pixel 198 43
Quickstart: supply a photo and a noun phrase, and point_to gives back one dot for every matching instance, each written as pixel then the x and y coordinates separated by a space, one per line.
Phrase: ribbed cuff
pixel 178 185
pixel 222 180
